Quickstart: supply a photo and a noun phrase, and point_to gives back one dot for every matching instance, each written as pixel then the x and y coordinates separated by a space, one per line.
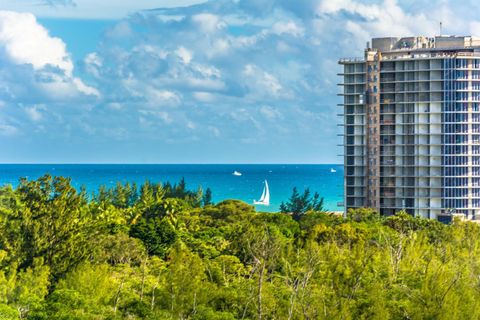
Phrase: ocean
pixel 218 177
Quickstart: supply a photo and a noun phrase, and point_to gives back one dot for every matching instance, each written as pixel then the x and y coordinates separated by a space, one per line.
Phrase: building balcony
pixel 394 70
pixel 351 60
pixel 388 194
pixel 387 122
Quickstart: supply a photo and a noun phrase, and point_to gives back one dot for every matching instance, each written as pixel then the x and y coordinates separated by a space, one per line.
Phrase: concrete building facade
pixel 411 126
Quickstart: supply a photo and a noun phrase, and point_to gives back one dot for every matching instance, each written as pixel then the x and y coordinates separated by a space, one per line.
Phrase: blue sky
pixel 224 81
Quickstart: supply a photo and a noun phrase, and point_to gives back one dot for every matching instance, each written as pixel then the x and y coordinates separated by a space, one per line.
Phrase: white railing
pixel 353 59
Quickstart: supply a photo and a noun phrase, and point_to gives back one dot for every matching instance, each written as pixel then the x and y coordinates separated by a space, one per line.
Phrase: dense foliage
pixel 299 204
pixel 164 252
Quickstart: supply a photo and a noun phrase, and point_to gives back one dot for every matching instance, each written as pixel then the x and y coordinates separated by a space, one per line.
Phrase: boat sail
pixel 265 198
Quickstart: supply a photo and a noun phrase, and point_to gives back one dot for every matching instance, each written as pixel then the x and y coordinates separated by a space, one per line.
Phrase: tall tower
pixel 372 130
pixel 411 118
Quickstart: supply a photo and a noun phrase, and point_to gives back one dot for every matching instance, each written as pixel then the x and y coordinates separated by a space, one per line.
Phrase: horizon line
pixel 158 163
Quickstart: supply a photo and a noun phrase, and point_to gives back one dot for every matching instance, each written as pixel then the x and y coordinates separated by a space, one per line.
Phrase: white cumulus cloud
pixel 26 41
pixel 36 61
pixel 208 22
pixel 34 113
pixel 184 54
pixel 8 129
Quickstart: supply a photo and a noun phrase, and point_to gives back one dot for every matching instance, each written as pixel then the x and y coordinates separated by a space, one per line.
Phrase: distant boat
pixel 332 170
pixel 265 198
pixel 236 173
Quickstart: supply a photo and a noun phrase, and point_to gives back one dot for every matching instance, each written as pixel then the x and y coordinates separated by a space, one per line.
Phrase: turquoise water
pixel 219 178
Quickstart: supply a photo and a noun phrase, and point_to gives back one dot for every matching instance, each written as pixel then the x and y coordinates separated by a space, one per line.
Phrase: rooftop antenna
pixel 440 28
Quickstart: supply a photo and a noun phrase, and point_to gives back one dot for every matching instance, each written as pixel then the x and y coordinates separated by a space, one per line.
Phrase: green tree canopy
pixel 299 204
pixel 158 252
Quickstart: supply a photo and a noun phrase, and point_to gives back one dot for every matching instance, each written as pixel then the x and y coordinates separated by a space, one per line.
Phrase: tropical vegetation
pixel 161 251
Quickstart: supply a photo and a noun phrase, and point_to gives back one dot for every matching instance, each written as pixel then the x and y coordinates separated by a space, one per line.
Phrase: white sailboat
pixel 265 198
pixel 236 173
pixel 332 170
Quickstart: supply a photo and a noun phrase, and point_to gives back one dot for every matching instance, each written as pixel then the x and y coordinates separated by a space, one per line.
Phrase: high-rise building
pixel 411 111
